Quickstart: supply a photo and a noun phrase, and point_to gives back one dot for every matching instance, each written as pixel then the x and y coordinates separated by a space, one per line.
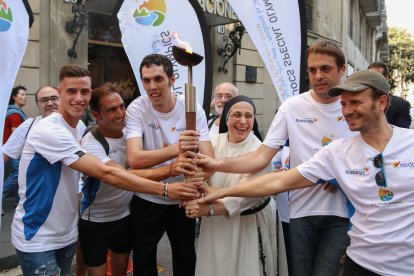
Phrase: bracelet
pixel 171 168
pixel 165 190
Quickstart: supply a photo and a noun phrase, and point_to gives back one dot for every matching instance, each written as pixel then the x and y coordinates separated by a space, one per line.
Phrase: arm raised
pixel 122 179
pixel 269 184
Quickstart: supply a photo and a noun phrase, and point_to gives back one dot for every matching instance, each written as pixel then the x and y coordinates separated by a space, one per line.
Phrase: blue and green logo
pixel 151 13
pixel 6 17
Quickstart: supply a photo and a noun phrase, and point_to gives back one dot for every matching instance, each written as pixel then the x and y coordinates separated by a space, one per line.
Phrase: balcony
pixel 368 6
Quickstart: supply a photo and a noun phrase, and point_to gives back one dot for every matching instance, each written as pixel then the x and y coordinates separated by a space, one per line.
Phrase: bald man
pixel 222 94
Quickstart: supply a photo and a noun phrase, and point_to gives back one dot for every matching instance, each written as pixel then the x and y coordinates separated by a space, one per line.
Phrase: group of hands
pixel 196 168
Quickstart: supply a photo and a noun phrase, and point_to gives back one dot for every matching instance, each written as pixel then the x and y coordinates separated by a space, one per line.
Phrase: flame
pixel 4 4
pixel 183 44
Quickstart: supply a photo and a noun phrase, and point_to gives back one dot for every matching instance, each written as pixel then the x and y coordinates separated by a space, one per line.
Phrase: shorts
pixel 96 238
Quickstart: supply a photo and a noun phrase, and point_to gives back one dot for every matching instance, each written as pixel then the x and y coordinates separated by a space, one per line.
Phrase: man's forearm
pixel 143 159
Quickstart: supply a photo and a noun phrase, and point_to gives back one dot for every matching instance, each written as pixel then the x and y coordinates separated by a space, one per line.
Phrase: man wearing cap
pixel 373 169
pixel 319 217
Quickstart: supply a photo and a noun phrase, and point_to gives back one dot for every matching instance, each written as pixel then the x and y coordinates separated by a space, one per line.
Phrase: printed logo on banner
pixel 6 17
pixel 151 13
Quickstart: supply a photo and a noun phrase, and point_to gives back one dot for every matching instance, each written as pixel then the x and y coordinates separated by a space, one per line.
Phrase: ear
pixel 172 80
pixel 342 70
pixel 382 102
pixel 96 115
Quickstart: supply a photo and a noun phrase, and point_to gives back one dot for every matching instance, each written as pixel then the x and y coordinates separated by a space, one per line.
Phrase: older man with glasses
pixel 47 101
pixel 373 169
pixel 222 94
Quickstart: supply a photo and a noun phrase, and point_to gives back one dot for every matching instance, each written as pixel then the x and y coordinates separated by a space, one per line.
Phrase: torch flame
pixel 180 43
pixel 4 4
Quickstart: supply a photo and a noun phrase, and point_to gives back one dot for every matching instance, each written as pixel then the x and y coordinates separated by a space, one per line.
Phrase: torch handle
pixel 190 120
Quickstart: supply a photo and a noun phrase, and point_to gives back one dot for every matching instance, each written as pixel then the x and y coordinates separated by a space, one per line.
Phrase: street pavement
pixel 9 263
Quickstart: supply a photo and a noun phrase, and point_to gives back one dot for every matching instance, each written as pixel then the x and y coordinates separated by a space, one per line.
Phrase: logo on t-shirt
pixel 357 171
pixel 385 194
pixel 306 120
pixel 340 118
pixel 399 165
pixel 173 129
pixel 326 140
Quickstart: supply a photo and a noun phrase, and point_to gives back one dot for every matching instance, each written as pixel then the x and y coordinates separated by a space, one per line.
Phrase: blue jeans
pixel 317 244
pixel 53 262
pixel 11 184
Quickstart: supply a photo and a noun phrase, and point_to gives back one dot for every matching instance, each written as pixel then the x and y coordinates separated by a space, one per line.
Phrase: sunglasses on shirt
pixel 380 176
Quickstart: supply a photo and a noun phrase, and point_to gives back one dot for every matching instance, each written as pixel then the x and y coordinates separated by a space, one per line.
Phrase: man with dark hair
pixel 399 112
pixel 373 169
pixel 318 215
pixel 154 123
pixel 44 229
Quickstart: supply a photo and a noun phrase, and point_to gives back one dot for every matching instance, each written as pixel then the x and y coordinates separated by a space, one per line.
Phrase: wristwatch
pixel 211 210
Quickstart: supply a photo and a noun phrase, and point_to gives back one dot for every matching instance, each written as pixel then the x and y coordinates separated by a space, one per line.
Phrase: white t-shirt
pixel 46 216
pixel 309 126
pixel 382 233
pixel 160 130
pixel 14 146
pixel 102 202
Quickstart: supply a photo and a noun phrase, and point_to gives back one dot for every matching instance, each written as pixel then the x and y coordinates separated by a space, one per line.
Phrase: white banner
pixel 147 27
pixel 14 33
pixel 275 28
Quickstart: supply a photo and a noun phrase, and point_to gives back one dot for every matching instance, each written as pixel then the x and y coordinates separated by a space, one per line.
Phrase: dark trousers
pixel 351 268
pixel 150 221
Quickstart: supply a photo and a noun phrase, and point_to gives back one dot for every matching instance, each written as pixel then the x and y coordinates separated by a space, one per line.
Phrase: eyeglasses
pixel 54 99
pixel 380 176
pixel 238 115
pixel 223 96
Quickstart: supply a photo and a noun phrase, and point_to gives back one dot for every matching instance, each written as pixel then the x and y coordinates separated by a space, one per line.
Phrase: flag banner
pixel 14 33
pixel 153 26
pixel 279 34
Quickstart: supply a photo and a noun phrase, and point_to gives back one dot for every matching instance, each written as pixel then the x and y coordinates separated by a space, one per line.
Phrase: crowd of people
pixel 343 170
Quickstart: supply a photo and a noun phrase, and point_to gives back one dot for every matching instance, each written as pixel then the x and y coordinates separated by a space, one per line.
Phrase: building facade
pixel 359 26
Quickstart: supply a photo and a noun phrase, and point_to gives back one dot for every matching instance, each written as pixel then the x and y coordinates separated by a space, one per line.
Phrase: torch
pixel 186 57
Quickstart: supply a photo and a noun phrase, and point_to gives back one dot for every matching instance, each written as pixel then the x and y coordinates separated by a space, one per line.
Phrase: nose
pixel 319 74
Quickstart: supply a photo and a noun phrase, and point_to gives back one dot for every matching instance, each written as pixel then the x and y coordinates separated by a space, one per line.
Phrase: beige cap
pixel 360 81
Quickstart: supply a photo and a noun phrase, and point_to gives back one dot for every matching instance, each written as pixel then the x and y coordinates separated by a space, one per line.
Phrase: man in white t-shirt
pixel 154 123
pixel 47 101
pixel 44 228
pixel 318 215
pixel 105 223
pixel 375 171
pixel 222 94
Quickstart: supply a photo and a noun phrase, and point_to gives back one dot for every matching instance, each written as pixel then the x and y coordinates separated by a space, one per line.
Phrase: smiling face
pixel 111 115
pixel 361 111
pixel 75 94
pixel 240 122
pixel 324 73
pixel 158 87
pixel 222 94
pixel 47 101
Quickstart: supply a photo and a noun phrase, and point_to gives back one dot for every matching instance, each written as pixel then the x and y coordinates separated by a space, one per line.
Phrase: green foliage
pixel 402 56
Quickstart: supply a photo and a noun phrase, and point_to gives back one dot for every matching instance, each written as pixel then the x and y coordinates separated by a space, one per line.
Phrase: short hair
pixel 330 48
pixel 15 91
pixel 73 71
pixel 37 92
pixel 380 64
pixel 233 88
pixel 102 91
pixel 159 60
